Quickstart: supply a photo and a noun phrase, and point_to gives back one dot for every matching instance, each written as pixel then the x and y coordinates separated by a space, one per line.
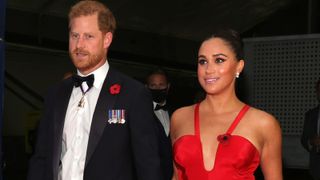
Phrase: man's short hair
pixel 158 71
pixel 106 20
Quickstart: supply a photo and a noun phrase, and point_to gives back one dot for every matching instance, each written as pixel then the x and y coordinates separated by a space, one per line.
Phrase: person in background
pixel 221 137
pixel 310 138
pixel 158 83
pixel 98 124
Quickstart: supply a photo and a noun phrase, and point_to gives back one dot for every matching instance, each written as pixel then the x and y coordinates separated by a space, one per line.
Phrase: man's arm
pixel 39 160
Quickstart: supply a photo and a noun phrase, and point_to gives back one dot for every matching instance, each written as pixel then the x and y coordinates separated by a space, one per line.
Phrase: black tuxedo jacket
pixel 310 131
pixel 165 148
pixel 126 151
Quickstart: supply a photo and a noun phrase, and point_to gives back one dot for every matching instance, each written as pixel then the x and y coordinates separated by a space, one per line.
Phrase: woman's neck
pixel 218 103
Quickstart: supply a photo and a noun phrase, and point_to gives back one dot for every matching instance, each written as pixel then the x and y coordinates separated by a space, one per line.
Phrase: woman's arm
pixel 174 127
pixel 178 127
pixel 271 153
pixel 175 173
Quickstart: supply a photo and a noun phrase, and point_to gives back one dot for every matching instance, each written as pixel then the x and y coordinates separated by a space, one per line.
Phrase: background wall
pixel 283 72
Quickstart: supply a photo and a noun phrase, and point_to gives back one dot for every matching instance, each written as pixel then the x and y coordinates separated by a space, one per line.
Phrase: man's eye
pixel 74 36
pixel 202 61
pixel 88 36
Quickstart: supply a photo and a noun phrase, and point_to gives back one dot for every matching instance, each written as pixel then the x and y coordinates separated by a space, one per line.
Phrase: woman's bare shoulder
pixel 264 120
pixel 181 119
pixel 182 113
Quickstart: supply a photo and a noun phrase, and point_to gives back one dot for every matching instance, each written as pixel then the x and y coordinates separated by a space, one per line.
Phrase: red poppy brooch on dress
pixel 224 138
pixel 115 89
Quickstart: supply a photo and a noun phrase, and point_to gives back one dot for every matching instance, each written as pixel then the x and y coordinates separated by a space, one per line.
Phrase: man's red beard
pixel 88 61
pixel 81 62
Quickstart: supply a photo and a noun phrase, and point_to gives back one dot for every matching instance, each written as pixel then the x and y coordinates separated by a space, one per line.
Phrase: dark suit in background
pixel 158 83
pixel 309 133
pixel 310 138
pixel 165 149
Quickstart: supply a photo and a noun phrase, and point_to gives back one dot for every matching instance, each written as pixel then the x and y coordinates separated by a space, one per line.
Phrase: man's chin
pixel 83 70
pixel 79 59
pixel 80 64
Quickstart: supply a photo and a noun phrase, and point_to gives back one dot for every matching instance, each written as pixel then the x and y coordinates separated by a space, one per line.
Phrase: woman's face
pixel 217 66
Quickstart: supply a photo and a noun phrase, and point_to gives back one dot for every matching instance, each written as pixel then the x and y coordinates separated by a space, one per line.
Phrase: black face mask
pixel 159 95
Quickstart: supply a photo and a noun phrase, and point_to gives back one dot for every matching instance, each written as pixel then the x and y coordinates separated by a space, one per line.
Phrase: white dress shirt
pixel 164 118
pixel 77 127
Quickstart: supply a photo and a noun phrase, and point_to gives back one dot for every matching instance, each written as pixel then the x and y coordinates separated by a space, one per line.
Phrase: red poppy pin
pixel 115 89
pixel 224 138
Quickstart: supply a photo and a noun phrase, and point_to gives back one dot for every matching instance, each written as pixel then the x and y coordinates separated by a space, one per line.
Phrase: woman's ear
pixel 240 66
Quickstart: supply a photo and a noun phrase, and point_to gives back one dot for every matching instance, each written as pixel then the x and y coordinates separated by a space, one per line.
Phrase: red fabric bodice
pixel 236 157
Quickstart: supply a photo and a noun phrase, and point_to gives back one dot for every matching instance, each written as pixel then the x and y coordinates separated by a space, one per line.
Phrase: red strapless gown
pixel 236 157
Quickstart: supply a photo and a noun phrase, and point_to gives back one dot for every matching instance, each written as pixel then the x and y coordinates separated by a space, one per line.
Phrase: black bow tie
pixel 163 107
pixel 78 80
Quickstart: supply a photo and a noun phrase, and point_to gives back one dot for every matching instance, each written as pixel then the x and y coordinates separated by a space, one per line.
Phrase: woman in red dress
pixel 222 138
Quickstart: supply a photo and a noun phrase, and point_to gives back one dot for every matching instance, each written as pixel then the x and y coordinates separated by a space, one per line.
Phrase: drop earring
pixel 237 75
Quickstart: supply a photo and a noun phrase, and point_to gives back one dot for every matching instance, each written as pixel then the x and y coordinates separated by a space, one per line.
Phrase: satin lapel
pixel 60 108
pixel 105 102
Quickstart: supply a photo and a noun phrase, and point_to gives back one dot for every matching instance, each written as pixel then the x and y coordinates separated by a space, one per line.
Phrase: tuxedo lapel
pixel 105 102
pixel 64 93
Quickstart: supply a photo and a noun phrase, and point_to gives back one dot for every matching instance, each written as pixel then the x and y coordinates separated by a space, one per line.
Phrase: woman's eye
pixel 202 61
pixel 219 60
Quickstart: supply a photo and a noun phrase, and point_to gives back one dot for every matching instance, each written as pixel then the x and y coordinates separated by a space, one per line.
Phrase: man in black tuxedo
pixel 99 124
pixel 310 138
pixel 158 83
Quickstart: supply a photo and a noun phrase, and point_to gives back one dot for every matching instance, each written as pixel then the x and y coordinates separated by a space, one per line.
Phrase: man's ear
pixel 107 39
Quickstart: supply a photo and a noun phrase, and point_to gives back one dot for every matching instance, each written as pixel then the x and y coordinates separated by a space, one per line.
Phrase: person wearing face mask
pixel 158 84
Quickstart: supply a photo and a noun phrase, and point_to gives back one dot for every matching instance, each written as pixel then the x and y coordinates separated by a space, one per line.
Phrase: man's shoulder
pixel 59 86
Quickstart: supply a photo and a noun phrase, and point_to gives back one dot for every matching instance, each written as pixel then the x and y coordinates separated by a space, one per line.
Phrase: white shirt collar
pixel 155 104
pixel 99 74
